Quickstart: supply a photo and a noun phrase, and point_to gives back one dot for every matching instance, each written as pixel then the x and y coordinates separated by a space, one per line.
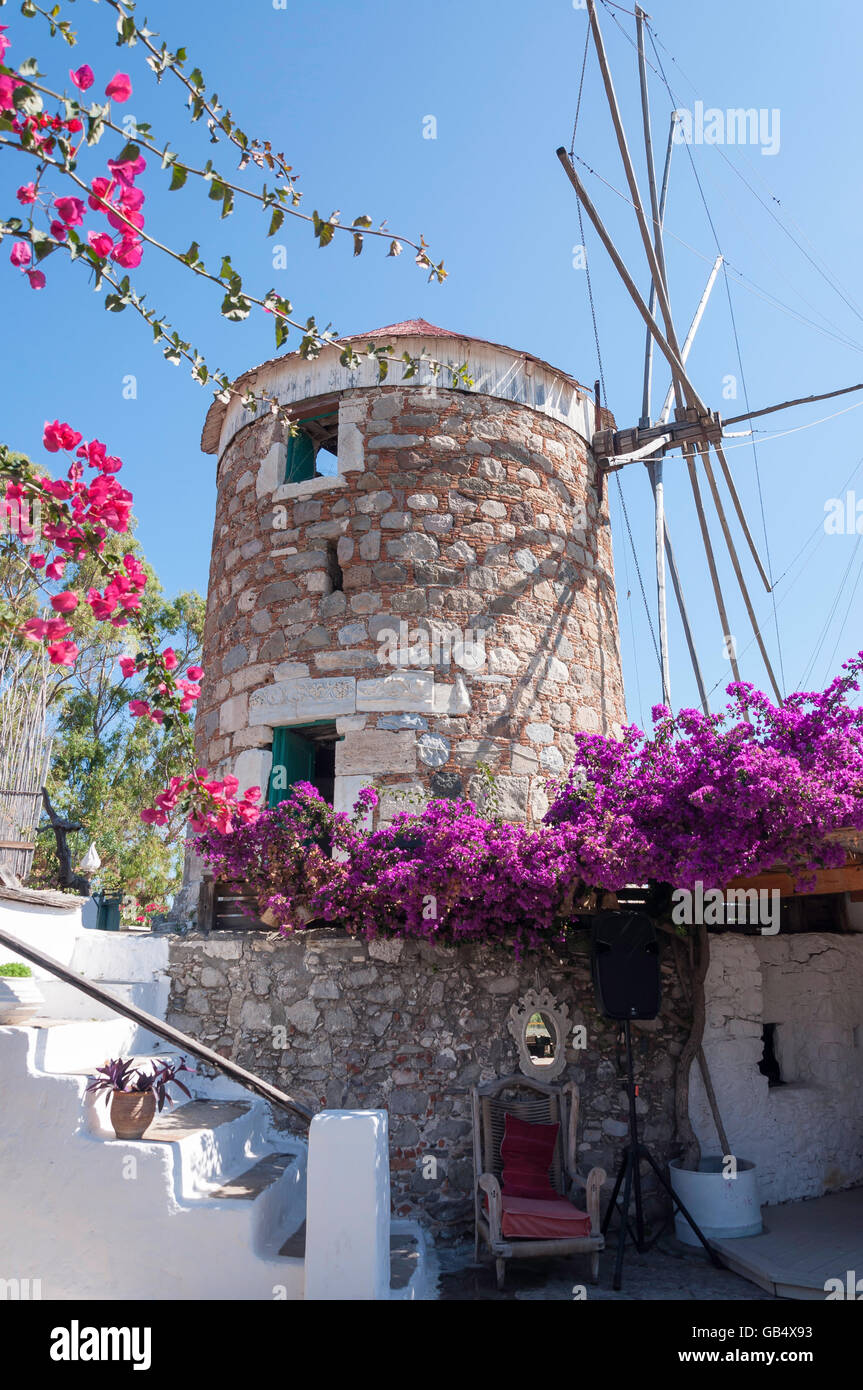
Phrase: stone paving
pixel 669 1271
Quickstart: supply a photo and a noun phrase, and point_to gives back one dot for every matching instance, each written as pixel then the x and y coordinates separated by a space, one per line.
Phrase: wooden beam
pixel 684 618
pixel 848 879
pixel 741 516
pixel 654 261
pixel 786 405
pixel 732 551
pixel 689 455
pixel 599 227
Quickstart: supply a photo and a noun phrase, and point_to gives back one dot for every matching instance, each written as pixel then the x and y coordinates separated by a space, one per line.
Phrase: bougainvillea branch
pixel 55 142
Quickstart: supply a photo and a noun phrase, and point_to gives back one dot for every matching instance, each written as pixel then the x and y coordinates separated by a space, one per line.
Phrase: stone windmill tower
pixel 420 582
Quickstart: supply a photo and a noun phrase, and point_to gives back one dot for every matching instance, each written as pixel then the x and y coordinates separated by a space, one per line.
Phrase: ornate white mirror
pixel 539 1026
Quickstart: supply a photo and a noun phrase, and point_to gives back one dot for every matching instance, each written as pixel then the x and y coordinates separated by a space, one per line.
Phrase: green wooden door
pixel 293 761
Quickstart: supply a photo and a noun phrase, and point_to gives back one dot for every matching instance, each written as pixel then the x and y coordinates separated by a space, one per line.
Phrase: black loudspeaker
pixel 625 962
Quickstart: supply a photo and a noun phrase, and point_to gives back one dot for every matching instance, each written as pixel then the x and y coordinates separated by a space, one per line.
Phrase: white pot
pixel 724 1207
pixel 20 999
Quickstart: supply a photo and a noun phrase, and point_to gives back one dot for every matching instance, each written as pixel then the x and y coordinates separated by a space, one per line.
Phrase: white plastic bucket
pixel 724 1207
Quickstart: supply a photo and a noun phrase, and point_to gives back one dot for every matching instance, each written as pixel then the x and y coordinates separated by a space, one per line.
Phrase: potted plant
pixel 20 997
pixel 134 1094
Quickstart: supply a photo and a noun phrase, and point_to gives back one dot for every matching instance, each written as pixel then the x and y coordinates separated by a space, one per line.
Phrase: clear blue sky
pixel 343 87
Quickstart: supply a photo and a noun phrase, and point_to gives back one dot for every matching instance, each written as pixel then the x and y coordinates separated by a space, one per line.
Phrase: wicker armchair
pixel 535 1103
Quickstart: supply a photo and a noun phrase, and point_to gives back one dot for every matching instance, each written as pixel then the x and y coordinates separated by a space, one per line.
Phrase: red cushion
pixel 527 1152
pixel 549 1218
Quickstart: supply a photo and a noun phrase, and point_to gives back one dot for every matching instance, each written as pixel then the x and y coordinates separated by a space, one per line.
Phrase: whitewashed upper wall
pixel 496 371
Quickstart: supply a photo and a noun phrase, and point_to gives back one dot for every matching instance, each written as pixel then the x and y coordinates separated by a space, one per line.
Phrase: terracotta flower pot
pixel 131 1113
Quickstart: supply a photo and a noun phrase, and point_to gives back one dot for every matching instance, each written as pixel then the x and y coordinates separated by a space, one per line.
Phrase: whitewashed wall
pixel 805 1136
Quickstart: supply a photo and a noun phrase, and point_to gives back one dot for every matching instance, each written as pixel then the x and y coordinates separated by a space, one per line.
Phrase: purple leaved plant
pixel 122 1074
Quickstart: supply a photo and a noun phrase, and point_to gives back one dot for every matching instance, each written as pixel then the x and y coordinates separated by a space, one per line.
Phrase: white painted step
pixel 198 1215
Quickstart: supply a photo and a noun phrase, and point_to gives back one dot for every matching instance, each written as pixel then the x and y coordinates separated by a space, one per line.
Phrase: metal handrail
pixel 159 1027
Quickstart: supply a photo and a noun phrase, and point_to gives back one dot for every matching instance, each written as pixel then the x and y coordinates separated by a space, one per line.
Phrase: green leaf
pixel 276 221
pixel 129 152
pixel 178 177
pixel 30 66
pixel 358 243
pixel 235 307
pixel 324 231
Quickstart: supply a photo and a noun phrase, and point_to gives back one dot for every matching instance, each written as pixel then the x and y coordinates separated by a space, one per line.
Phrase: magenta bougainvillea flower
pixel 706 798
pixel 120 87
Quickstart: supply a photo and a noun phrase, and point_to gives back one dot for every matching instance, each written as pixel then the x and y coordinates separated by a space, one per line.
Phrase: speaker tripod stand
pixel 629 1176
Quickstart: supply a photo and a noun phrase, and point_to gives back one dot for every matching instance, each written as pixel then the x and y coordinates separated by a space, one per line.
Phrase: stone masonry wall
pixel 451 510
pixel 410 1027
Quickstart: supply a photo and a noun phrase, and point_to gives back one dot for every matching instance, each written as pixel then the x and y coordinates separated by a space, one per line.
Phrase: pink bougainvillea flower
pixel 101 243
pixel 62 653
pixel 26 193
pixel 66 602
pixel 83 77
pixel 138 707
pixel 169 656
pixel 157 716
pixel 35 629
pixel 4 42
pixel 101 191
pixel 58 231
pixel 127 666
pixel 120 87
pixel 56 436
pixel 37 279
pixel 129 252
pixel 37 561
pixel 127 170
pixel 7 87
pixel 195 673
pixel 131 199
pixel 55 570
pixel 125 222
pixel 21 254
pixel 71 210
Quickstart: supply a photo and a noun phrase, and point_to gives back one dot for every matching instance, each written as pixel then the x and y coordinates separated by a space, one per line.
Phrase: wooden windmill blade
pixel 696 428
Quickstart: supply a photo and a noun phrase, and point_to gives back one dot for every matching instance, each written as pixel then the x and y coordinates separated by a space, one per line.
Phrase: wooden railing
pixel 164 1030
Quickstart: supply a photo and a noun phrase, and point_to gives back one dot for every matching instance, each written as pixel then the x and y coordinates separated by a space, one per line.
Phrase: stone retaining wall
pixel 411 1027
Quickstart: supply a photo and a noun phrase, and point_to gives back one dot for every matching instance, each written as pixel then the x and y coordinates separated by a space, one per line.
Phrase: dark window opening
pixel 334 569
pixel 769 1064
pixel 312 451
pixel 306 753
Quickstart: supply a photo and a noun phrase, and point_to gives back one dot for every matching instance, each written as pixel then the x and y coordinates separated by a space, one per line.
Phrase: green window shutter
pixel 293 761
pixel 300 461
